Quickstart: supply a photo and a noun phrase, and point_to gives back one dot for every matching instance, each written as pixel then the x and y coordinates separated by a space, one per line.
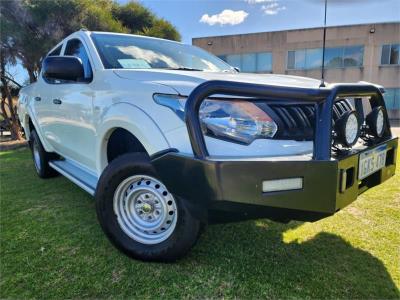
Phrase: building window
pixel 392 98
pixel 250 62
pixel 337 57
pixel 353 56
pixel 264 62
pixel 390 54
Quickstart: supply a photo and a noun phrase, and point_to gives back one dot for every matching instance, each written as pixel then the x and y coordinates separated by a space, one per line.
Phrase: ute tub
pixel 328 184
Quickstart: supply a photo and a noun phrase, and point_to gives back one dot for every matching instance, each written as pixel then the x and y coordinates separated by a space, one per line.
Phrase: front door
pixel 72 110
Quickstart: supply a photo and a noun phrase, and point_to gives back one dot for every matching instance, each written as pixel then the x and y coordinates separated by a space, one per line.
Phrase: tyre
pixel 40 157
pixel 138 213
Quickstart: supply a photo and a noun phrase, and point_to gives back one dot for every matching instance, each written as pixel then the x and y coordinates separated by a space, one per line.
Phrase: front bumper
pixel 235 187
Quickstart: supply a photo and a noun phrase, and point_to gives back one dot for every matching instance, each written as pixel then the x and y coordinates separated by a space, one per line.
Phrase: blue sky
pixel 267 15
pixel 198 18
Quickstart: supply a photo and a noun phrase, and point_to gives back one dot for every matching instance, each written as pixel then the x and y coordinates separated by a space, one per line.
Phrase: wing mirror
pixel 63 68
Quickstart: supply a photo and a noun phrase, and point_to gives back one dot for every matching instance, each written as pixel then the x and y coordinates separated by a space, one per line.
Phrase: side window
pixel 75 48
pixel 56 52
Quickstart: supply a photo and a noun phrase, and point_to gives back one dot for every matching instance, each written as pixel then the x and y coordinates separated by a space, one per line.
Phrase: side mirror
pixel 63 68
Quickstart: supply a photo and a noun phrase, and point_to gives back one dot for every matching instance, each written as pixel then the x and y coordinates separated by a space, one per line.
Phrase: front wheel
pixel 138 213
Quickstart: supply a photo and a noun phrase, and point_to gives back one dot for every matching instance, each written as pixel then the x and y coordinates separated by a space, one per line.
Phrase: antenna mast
pixel 323 50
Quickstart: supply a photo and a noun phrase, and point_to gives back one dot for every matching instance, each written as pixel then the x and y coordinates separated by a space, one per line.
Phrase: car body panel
pixel 79 128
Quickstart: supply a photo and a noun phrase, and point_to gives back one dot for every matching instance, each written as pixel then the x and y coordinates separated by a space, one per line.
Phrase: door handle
pixel 57 101
pixel 38 98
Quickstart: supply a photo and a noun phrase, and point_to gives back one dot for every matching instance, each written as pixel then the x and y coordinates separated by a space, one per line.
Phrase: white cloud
pixel 258 1
pixel 273 8
pixel 226 17
pixel 269 7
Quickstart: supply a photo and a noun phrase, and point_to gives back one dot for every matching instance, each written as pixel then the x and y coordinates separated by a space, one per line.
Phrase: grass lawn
pixel 52 247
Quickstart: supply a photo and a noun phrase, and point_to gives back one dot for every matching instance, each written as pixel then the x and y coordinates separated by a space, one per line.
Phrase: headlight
pixel 376 121
pixel 239 121
pixel 347 129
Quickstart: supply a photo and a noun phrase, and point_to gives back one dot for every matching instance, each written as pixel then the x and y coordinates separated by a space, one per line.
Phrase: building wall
pixel 371 36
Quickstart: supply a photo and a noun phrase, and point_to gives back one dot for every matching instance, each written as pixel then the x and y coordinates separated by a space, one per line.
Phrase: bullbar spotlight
pixel 376 121
pixel 347 129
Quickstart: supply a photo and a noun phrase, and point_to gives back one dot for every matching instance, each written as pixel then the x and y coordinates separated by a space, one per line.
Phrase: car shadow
pixel 258 261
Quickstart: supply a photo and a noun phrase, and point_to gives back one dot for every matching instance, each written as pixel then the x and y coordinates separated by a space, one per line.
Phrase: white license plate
pixel 371 161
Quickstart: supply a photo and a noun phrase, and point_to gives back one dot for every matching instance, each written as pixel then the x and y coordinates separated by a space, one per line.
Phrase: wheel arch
pixel 130 119
pixel 28 126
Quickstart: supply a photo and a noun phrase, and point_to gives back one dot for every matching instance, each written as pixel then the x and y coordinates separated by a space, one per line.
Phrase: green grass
pixel 53 247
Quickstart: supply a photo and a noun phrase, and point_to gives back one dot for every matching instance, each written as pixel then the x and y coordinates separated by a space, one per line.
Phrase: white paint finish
pixel 79 128
pixel 185 81
pixel 259 148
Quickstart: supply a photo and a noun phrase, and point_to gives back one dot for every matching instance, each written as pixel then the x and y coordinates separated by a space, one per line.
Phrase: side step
pixel 76 174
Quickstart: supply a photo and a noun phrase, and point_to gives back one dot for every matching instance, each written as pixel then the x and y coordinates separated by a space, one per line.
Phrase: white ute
pixel 108 113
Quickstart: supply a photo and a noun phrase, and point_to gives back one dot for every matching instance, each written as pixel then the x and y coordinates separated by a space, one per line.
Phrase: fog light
pixel 286 184
pixel 347 129
pixel 376 121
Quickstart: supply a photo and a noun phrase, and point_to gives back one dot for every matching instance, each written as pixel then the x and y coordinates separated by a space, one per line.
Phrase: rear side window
pixel 56 52
pixel 75 48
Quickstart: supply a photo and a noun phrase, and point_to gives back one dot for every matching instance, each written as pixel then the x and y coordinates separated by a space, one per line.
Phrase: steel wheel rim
pixel 145 210
pixel 36 155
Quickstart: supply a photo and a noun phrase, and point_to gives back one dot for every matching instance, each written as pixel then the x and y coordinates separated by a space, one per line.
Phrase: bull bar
pixel 233 187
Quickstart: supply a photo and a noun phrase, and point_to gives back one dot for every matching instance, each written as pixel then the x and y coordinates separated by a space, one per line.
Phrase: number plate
pixel 371 161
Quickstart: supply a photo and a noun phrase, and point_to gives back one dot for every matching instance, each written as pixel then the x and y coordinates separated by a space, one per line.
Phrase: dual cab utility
pixel 168 137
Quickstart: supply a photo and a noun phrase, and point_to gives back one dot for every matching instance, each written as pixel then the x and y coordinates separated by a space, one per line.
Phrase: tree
pixel 9 89
pixel 32 27
pixel 139 20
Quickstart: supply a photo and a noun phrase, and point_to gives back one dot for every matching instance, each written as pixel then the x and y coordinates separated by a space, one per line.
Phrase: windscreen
pixel 134 52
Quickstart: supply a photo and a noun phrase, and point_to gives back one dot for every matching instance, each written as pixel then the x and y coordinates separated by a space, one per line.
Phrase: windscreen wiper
pixel 184 69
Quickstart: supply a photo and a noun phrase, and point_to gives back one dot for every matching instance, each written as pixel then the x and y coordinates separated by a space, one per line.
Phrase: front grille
pixel 341 107
pixel 297 121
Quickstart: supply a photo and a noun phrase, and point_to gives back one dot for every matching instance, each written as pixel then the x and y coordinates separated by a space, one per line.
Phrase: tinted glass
pixel 334 57
pixel 394 54
pixel 223 57
pixel 264 62
pixel 249 62
pixel 234 60
pixel 56 52
pixel 76 48
pixel 392 100
pixel 133 52
pixel 313 58
pixel 291 59
pixel 300 59
pixel 353 56
pixel 385 58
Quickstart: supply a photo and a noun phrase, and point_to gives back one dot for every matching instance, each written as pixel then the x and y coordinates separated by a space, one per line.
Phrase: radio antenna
pixel 323 50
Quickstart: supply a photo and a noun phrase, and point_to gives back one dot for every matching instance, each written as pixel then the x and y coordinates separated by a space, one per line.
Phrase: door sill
pixel 77 175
